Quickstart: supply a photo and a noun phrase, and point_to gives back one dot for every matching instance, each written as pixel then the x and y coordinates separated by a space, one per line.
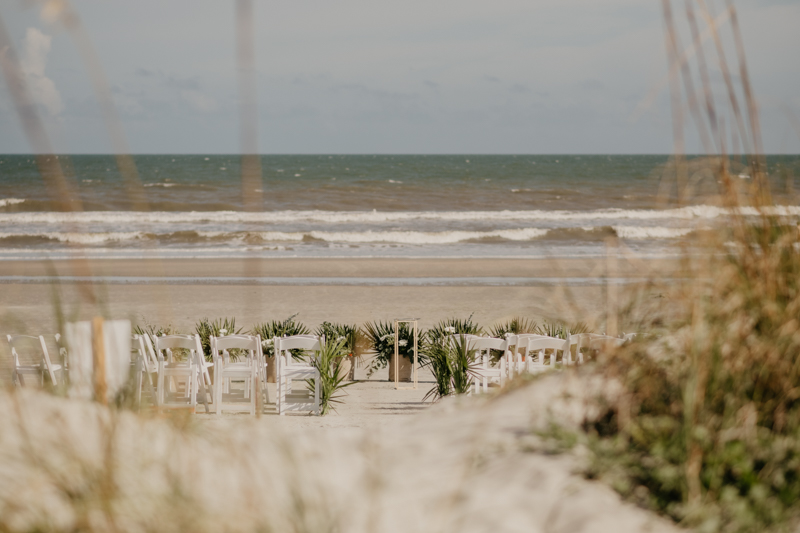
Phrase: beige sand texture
pixel 179 294
pixel 466 464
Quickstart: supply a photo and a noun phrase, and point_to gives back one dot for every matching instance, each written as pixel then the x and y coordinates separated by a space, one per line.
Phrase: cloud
pixel 35 47
pixel 199 101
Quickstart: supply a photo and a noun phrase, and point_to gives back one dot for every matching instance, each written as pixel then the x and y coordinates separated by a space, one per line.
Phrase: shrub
pixel 452 364
pixel 329 362
pixel 559 329
pixel 708 429
pixel 515 326
pixel 354 339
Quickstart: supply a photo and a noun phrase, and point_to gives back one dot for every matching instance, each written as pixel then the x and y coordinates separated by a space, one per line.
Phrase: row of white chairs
pixel 173 382
pixel 250 368
pixel 528 353
pixel 31 356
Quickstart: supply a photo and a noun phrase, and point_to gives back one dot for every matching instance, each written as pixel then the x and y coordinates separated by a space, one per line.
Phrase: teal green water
pixel 476 205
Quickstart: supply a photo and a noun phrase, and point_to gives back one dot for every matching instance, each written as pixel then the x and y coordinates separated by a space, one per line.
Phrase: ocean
pixel 365 206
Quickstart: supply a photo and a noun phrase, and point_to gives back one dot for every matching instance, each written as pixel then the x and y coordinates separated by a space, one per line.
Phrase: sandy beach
pixel 179 292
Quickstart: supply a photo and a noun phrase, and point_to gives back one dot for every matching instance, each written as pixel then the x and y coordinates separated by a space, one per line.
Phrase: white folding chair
pixel 190 372
pixel 485 372
pixel 146 365
pixel 289 369
pixel 35 359
pixel 534 350
pixel 248 369
pixel 516 357
pixel 596 341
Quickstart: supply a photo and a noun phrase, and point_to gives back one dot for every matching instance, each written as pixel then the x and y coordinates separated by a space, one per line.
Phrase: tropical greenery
pixel 515 326
pixel 559 330
pixel 285 328
pixel 331 380
pixel 220 327
pixel 452 364
pixel 452 326
pixel 379 337
pixel 355 343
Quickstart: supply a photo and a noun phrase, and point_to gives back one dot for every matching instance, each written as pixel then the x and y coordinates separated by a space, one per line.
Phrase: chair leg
pixel 217 387
pixel 281 382
pixel 160 387
pixel 316 396
pixel 252 385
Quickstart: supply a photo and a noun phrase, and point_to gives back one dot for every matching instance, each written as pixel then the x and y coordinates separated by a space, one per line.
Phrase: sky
pixel 373 76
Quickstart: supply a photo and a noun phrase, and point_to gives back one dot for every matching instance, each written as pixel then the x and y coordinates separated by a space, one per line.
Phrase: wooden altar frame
pixel 397 323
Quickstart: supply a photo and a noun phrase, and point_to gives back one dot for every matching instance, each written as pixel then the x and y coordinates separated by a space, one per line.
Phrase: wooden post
pixel 410 321
pixel 99 362
pixel 612 249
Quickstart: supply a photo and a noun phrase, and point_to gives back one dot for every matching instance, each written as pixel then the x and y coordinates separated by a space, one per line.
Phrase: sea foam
pixel 10 201
pixel 698 212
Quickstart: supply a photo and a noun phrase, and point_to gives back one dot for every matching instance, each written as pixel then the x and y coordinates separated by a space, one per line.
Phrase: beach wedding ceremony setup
pixel 391 267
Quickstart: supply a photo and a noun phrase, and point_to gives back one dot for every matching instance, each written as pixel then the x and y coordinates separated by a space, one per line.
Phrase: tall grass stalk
pixel 707 429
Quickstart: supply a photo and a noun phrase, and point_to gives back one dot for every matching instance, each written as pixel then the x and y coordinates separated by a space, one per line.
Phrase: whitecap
pixel 10 201
pixel 405 237
pixel 639 232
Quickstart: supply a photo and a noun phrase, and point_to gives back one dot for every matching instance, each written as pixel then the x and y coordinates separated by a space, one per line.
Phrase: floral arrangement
pixel 380 339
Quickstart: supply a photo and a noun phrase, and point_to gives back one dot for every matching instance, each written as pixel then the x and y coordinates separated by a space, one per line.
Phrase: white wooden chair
pixel 146 366
pixel 516 358
pixel 36 360
pixel 534 350
pixel 597 341
pixel 485 372
pixel 289 369
pixel 248 369
pixel 190 372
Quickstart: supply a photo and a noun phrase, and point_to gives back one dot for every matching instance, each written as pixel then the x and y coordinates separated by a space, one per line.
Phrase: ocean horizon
pixel 366 206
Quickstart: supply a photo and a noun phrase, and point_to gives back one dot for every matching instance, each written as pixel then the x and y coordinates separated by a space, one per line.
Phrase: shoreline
pixel 356 267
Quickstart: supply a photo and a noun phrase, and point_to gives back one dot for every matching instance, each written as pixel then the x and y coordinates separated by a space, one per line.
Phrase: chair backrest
pixel 251 344
pixel 146 355
pixel 596 339
pixel 39 348
pixel 240 342
pixel 186 342
pixel 545 343
pixel 487 343
pixel 460 337
pixel 298 342
pixel 150 352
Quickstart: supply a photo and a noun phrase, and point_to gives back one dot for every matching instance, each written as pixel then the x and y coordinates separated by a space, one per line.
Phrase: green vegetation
pixel 329 362
pixel 451 362
pixel 452 326
pixel 380 338
pixel 285 328
pixel 217 328
pixel 515 326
